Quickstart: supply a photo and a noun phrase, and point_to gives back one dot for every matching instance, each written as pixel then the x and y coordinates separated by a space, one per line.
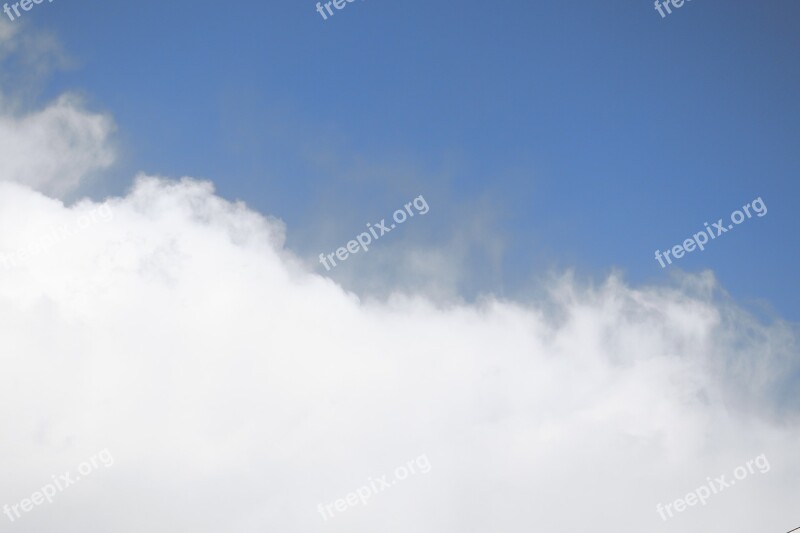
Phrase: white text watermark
pixel 362 241
pixel 714 486
pixel 42 245
pixel 59 484
pixel 26 5
pixel 374 486
pixel 716 229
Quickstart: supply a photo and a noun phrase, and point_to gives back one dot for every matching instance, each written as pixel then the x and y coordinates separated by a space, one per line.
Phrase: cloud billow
pixel 238 389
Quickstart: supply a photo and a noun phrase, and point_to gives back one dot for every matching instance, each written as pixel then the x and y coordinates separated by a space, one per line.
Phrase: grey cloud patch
pixel 56 148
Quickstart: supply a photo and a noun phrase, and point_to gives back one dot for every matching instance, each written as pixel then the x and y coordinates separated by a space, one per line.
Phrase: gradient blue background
pixel 592 133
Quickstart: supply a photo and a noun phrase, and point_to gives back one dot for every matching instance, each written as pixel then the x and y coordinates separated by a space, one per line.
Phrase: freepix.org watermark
pixel 374 486
pixel 363 241
pixel 715 486
pixel 42 245
pixel 338 4
pixel 664 5
pixel 26 5
pixel 699 239
pixel 59 484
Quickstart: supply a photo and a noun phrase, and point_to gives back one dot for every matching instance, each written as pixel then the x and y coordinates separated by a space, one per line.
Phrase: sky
pixel 573 135
pixel 171 172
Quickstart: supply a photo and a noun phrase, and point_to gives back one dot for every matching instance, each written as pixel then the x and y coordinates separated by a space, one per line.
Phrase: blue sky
pixel 582 135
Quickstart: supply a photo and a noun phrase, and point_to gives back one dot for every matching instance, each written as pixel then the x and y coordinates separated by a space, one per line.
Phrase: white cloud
pixel 236 390
pixel 54 149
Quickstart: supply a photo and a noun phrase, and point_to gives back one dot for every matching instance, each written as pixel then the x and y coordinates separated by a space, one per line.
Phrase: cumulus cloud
pixel 56 147
pixel 237 390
